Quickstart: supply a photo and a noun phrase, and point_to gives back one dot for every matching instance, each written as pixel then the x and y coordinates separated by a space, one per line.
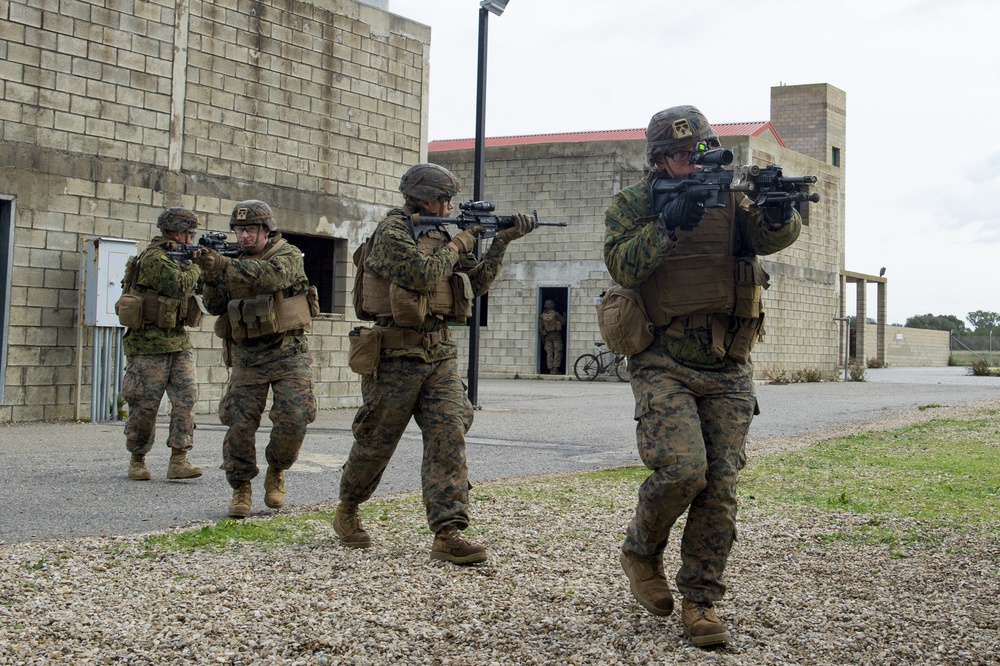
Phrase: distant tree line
pixel 982 322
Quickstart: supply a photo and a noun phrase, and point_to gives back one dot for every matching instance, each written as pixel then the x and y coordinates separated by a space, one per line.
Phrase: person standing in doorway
pixel 550 328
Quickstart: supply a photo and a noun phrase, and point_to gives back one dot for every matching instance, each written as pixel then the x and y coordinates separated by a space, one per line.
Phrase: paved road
pixel 63 480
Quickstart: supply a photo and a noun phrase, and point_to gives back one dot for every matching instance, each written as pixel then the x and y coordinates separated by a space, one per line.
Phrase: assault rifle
pixel 766 186
pixel 474 213
pixel 213 240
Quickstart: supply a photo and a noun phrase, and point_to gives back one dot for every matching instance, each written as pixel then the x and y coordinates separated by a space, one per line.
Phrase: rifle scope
pixel 477 206
pixel 719 156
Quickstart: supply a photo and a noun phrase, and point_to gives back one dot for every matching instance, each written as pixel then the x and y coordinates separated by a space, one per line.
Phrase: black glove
pixel 684 212
pixel 779 217
pixel 466 240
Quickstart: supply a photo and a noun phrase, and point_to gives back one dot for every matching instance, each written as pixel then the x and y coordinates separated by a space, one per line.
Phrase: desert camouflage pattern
pixel 283 271
pixel 427 182
pixel 417 382
pixel 159 272
pixel 146 378
pixel 692 417
pixel 293 409
pixel 433 393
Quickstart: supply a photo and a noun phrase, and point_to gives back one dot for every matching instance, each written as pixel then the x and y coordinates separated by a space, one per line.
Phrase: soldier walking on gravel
pixel 157 348
pixel 265 307
pixel 411 288
pixel 698 278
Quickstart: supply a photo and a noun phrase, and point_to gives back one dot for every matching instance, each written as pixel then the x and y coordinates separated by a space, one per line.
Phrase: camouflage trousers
pixel 146 379
pixel 293 408
pixel 434 395
pixel 553 352
pixel 691 428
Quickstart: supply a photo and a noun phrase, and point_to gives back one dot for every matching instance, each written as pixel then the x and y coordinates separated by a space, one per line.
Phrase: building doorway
pixel 6 265
pixel 559 296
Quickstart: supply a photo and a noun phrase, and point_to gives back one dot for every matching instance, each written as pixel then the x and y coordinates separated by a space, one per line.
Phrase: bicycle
pixel 589 366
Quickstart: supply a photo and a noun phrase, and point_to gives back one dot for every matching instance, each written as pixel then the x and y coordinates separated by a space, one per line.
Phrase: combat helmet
pixel 549 305
pixel 675 127
pixel 176 218
pixel 428 182
pixel 252 211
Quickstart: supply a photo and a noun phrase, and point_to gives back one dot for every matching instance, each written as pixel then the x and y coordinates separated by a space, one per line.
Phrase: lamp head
pixel 494 6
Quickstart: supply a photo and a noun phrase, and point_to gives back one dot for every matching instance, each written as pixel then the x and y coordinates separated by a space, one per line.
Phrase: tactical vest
pixel 699 275
pixel 450 299
pixel 140 305
pixel 253 314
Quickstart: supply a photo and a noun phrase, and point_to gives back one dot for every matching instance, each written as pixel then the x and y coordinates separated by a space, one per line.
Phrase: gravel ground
pixel 552 593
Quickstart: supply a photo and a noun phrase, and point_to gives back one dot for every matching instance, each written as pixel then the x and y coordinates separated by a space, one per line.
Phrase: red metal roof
pixel 722 129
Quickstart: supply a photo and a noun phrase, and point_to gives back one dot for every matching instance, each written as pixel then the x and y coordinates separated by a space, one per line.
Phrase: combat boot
pixel 347 525
pixel 239 507
pixel 701 625
pixel 648 584
pixel 274 487
pixel 449 546
pixel 180 468
pixel 137 470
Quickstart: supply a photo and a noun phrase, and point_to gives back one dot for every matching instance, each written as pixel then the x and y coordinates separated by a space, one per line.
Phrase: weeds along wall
pixel 112 111
pixel 575 182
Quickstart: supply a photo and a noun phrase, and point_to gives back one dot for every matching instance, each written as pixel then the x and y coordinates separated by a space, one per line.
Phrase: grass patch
pixel 943 471
pixel 280 530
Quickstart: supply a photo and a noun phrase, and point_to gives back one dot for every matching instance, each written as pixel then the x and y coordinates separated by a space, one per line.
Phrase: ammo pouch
pixel 192 317
pixel 750 279
pixel 621 316
pixel 167 314
pixel 357 294
pixel 461 289
pixel 408 307
pixel 252 317
pixel 129 310
pixel 747 333
pixel 365 350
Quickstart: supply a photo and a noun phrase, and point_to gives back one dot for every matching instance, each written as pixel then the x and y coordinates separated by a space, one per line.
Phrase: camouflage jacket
pixel 395 256
pixel 159 272
pixel 282 271
pixel 634 248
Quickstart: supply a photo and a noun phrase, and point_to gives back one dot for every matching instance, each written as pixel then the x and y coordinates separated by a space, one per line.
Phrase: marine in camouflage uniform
pixel 417 374
pixel 694 393
pixel 552 341
pixel 159 354
pixel 264 354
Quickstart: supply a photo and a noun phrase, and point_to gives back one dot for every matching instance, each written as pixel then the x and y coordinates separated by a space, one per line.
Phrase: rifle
pixel 473 213
pixel 766 186
pixel 213 240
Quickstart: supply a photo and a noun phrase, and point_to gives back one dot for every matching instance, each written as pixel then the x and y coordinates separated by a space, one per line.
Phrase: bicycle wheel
pixel 587 367
pixel 621 368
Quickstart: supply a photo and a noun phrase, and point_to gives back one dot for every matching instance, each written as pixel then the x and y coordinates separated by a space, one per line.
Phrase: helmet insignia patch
pixel 242 213
pixel 681 128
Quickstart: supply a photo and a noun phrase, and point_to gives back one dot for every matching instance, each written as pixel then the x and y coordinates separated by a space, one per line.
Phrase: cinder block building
pixel 111 111
pixel 572 177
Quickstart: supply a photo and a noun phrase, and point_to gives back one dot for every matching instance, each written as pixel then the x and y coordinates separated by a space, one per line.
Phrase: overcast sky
pixel 922 79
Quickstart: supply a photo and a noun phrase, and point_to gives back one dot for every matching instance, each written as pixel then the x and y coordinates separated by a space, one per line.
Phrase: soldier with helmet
pixel 697 273
pixel 265 307
pixel 159 354
pixel 412 288
pixel 550 328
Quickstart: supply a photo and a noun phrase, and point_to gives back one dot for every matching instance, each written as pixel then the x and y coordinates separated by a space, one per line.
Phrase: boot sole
pixel 659 612
pixel 239 513
pixel 708 639
pixel 175 477
pixel 273 504
pixel 475 558
pixel 141 477
pixel 356 544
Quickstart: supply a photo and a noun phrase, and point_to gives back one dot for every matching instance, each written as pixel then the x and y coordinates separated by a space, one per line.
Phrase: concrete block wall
pixel 914 347
pixel 110 112
pixel 575 182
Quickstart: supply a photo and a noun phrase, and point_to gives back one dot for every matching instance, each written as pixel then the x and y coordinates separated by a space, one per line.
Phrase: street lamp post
pixel 485 8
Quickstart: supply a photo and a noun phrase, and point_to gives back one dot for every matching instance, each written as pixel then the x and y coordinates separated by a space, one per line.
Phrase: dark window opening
pixel 835 157
pixel 325 264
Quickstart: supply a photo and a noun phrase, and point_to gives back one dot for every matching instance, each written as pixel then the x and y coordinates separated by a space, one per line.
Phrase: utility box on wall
pixel 104 260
